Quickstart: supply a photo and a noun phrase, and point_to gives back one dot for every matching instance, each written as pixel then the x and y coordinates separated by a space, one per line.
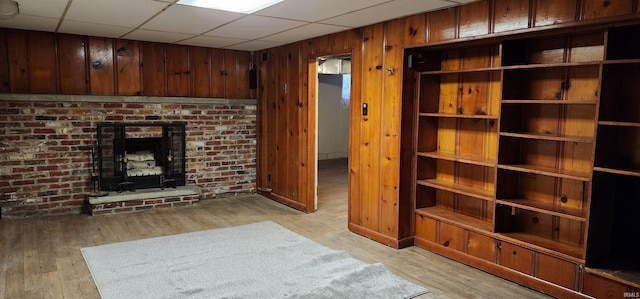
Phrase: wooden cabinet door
pixel 557 271
pixel 451 237
pixel 425 228
pixel 153 69
pixel 101 65
pixel 481 246
pixel 515 257
pixel 72 62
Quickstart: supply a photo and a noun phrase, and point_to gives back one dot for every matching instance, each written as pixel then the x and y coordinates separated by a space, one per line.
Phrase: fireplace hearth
pixel 135 156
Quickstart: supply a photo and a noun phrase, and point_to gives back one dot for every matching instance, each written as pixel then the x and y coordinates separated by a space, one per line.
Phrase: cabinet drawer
pixel 451 237
pixel 515 257
pixel 482 247
pixel 557 271
pixel 425 228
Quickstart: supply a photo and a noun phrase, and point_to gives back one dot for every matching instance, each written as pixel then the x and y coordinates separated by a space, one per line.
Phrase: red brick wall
pixel 43 171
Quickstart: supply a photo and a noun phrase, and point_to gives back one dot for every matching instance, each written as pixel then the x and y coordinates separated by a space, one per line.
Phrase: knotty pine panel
pixel 339 42
pixel 200 62
pixel 511 15
pixel 178 71
pixel 415 30
pixel 128 67
pixel 101 65
pixel 218 78
pixel 42 68
pixel 442 25
pixel 293 132
pixel 552 12
pixel 4 62
pixel 355 134
pixel 594 9
pixel 391 117
pixel 373 43
pixel 451 237
pixel 474 19
pixel 242 65
pixel 18 61
pixel 308 119
pixel 230 74
pixel 153 69
pixel 281 174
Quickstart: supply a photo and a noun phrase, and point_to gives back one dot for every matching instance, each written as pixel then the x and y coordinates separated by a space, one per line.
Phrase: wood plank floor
pixel 40 257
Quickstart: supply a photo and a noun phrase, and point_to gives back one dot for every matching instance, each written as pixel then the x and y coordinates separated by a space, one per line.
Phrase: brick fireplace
pixel 44 169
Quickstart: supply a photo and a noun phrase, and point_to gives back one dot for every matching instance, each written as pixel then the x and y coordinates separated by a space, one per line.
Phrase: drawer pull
pixel 446 244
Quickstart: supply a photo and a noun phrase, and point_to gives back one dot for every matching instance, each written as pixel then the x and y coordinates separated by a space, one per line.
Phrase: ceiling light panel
pixel 240 6
pixel 316 10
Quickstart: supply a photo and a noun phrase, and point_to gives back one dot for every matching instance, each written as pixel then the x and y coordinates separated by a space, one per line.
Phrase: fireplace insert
pixel 140 155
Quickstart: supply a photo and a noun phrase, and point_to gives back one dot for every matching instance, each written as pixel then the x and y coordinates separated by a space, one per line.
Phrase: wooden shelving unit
pixel 614 242
pixel 531 144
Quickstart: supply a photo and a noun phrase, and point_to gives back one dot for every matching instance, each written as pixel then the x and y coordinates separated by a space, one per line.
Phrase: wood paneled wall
pixel 48 63
pixel 376 209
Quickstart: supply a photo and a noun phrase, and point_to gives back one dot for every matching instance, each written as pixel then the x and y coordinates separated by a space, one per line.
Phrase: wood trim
pixel 309 124
pixel 378 237
pixel 283 200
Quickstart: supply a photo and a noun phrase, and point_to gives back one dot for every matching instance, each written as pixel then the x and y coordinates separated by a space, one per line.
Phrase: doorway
pixel 333 113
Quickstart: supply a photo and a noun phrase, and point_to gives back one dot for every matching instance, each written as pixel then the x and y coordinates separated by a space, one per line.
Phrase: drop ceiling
pixel 167 22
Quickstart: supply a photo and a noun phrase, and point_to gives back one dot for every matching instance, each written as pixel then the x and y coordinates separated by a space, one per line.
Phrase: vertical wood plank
pixel 474 19
pixel 391 206
pixel 243 61
pixel 128 67
pixel 442 24
pixel 72 62
pixel 294 110
pixel 307 118
pixel 4 61
pixel 594 9
pixel 153 69
pixel 415 30
pixel 355 120
pixel 338 42
pixel 373 43
pixel 43 75
pixel 511 15
pixel 272 133
pixel 18 61
pixel 101 73
pixel 178 71
pixel 283 125
pixel 231 74
pixel 217 77
pixel 551 12
pixel 200 61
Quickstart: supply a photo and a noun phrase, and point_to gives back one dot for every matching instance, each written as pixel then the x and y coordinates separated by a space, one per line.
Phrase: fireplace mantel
pixel 14 97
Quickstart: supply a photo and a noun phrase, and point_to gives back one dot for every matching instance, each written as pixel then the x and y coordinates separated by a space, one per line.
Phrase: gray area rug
pixel 260 260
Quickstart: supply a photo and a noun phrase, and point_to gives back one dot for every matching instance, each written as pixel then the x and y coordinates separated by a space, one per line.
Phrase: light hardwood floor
pixel 40 257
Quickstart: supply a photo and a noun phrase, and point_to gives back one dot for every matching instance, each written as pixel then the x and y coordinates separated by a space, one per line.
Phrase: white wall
pixel 333 119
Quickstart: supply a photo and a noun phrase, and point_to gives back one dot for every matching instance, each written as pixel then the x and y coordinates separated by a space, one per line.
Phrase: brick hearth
pixel 43 171
pixel 144 200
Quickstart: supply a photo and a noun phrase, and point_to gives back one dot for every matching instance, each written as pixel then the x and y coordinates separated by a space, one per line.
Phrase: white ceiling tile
pixel 188 19
pixel 255 45
pixel 125 13
pixel 91 29
pixel 42 8
pixel 313 11
pixel 30 23
pixel 252 27
pixel 211 41
pixel 387 11
pixel 304 32
pixel 157 36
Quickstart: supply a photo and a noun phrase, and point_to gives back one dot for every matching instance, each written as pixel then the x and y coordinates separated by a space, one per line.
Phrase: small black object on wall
pixel 253 77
